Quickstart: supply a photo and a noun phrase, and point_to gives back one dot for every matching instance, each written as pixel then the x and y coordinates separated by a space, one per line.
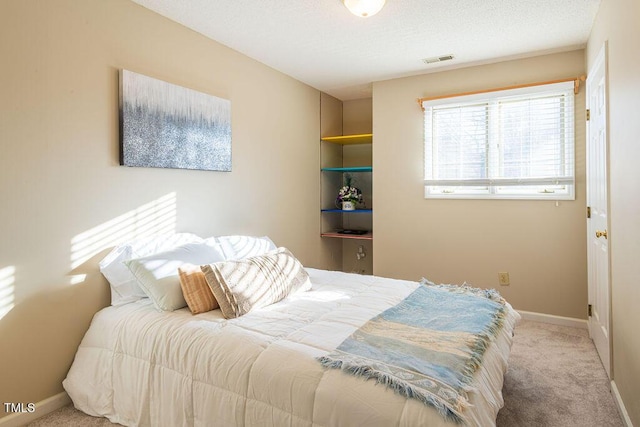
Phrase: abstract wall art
pixel 167 126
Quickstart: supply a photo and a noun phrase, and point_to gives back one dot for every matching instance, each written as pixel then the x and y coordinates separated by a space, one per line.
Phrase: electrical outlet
pixel 503 278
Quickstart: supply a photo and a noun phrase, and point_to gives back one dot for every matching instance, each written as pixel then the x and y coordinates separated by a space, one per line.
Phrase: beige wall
pixel 64 197
pixel 357 116
pixel 541 245
pixel 617 23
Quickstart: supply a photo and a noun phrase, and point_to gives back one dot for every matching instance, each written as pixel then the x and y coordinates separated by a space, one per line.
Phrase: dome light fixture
pixel 364 8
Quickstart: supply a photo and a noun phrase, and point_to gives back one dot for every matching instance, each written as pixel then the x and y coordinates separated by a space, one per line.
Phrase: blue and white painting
pixel 167 126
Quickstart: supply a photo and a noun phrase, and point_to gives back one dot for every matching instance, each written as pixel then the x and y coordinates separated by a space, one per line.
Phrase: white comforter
pixel 140 367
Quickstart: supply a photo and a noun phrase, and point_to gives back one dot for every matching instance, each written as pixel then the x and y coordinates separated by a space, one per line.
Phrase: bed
pixel 139 366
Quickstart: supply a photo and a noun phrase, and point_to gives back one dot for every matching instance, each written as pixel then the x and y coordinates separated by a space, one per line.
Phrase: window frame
pixel 490 188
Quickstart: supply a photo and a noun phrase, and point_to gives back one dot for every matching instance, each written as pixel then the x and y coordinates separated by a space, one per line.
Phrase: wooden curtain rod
pixel 576 88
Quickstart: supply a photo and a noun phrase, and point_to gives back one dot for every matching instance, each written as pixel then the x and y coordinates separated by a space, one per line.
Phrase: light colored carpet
pixel 555 379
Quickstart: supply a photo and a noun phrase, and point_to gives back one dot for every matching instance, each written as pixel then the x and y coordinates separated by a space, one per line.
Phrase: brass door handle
pixel 601 233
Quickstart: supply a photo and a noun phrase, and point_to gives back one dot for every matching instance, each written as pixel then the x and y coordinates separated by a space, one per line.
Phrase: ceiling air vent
pixel 437 59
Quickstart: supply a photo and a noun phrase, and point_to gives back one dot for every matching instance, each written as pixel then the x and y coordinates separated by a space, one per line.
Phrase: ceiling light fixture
pixel 364 8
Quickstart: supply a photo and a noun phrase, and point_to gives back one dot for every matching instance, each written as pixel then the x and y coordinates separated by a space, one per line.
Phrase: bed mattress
pixel 140 367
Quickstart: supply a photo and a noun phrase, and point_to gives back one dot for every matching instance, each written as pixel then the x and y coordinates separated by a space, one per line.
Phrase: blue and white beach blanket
pixel 426 347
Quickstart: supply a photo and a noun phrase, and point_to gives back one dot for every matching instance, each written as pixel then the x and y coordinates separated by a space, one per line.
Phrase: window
pixel 511 144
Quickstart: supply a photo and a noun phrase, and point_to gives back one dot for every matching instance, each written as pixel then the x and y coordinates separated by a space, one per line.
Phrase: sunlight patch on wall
pixel 7 289
pixel 156 217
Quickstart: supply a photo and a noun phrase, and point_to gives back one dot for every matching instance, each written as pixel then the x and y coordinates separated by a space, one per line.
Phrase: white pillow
pixel 240 247
pixel 158 276
pixel 124 288
pixel 242 285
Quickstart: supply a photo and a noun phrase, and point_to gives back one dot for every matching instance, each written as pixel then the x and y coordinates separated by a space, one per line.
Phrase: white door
pixel 597 202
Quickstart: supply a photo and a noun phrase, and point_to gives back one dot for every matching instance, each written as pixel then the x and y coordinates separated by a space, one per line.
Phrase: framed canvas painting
pixel 167 126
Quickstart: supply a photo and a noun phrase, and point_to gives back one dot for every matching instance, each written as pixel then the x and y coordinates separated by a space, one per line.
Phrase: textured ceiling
pixel 320 43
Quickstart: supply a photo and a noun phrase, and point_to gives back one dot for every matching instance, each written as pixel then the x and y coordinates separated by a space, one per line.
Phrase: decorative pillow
pixel 124 287
pixel 242 285
pixel 158 277
pixel 238 247
pixel 195 289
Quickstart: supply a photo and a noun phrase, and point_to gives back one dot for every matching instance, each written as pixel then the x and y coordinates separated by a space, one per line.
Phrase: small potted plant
pixel 348 196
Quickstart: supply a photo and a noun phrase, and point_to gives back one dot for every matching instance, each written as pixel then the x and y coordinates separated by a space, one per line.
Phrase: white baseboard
pixel 43 408
pixel 620 404
pixel 554 320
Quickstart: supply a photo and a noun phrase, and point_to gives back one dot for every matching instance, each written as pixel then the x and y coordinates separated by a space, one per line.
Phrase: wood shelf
pixel 338 235
pixel 364 138
pixel 349 169
pixel 333 218
pixel 348 212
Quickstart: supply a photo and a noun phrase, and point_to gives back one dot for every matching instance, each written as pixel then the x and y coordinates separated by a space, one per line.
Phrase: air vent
pixel 437 59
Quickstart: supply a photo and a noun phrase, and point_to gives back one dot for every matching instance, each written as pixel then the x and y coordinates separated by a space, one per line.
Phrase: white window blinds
pixel 517 143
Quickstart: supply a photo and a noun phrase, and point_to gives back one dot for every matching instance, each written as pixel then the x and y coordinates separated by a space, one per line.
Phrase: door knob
pixel 601 233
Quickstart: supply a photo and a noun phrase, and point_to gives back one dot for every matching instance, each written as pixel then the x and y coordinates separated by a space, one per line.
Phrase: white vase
pixel 348 206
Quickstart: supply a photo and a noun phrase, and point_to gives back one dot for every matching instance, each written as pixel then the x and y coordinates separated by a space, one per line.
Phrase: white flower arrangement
pixel 349 194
